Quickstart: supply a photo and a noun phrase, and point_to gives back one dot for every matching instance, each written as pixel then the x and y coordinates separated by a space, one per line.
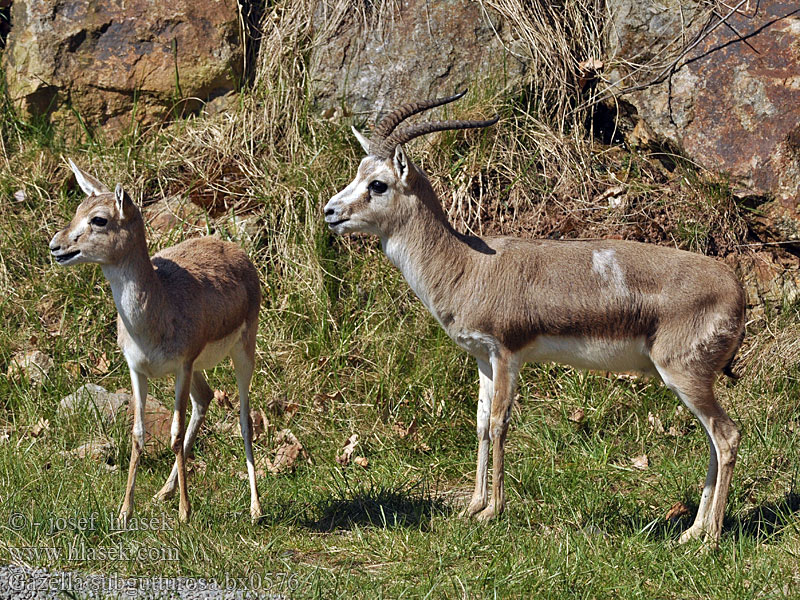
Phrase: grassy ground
pixel 348 349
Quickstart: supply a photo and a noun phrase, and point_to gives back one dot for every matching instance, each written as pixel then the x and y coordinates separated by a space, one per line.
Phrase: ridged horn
pixel 388 124
pixel 385 148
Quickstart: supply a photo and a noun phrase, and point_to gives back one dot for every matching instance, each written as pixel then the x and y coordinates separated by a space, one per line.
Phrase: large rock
pixel 103 59
pixel 93 397
pixel 373 59
pixel 733 105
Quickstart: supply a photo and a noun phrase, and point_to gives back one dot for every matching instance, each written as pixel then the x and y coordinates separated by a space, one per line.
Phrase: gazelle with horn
pixel 183 311
pixel 604 304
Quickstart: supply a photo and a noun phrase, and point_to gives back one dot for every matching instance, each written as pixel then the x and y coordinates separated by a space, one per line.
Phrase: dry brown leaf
pixel 673 431
pixel 577 416
pixel 288 450
pixel 641 462
pixel 321 401
pixel 655 423
pixel 101 364
pixel 676 511
pixel 221 396
pixel 286 455
pixel 404 431
pixel 41 427
pixel 73 368
pixel 259 423
pixel 347 453
pixel 291 409
pixel 361 461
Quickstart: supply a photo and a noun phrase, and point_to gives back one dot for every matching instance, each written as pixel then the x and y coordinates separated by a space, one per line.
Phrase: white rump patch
pixel 604 263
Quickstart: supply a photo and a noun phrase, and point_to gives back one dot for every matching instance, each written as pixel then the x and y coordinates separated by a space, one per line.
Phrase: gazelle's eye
pixel 377 187
pixel 99 221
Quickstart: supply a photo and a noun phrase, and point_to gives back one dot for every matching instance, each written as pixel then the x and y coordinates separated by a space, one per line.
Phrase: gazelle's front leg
pixel 481 493
pixel 183 380
pixel 139 385
pixel 504 375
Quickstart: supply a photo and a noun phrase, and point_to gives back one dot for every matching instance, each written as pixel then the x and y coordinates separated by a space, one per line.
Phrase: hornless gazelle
pixel 604 304
pixel 191 306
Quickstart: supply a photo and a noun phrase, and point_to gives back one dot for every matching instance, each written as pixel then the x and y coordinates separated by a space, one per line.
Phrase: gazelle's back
pixel 213 277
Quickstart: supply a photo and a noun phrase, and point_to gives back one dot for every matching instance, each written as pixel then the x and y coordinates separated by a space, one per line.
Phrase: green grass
pixel 581 521
pixel 343 337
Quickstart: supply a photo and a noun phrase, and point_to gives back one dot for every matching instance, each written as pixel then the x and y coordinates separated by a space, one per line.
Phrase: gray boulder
pixel 374 57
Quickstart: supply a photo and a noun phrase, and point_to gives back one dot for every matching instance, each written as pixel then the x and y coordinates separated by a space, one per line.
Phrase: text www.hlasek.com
pixel 82 553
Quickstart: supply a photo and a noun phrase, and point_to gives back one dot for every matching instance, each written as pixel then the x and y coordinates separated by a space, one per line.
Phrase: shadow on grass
pixel 384 508
pixel 766 522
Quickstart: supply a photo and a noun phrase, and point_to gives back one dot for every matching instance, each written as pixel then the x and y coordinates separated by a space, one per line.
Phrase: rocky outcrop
pixel 109 62
pixel 732 102
pixel 374 57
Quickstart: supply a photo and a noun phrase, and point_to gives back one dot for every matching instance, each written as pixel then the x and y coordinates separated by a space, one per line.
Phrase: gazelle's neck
pixel 138 292
pixel 426 250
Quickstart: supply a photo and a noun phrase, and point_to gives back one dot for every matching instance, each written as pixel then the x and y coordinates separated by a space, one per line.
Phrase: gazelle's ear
pixel 400 162
pixel 361 139
pixel 89 185
pixel 123 201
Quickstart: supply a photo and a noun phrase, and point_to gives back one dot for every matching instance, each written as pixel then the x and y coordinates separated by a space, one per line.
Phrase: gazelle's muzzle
pixel 61 252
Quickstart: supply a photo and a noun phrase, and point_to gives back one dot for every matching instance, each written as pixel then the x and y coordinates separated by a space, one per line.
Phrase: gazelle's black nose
pixel 328 212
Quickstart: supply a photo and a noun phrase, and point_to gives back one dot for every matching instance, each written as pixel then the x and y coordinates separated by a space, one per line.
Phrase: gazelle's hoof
pixel 255 513
pixel 124 518
pixel 184 514
pixel 166 492
pixel 475 507
pixel 693 533
pixel 488 513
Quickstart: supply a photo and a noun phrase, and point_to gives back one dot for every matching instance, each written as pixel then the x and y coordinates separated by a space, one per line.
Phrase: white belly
pixel 152 364
pixel 591 353
pixel 155 364
pixel 215 352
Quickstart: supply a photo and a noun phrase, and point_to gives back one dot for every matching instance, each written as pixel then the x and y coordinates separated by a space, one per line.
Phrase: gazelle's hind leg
pixel 697 394
pixel 480 496
pixel 244 362
pixel 201 396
